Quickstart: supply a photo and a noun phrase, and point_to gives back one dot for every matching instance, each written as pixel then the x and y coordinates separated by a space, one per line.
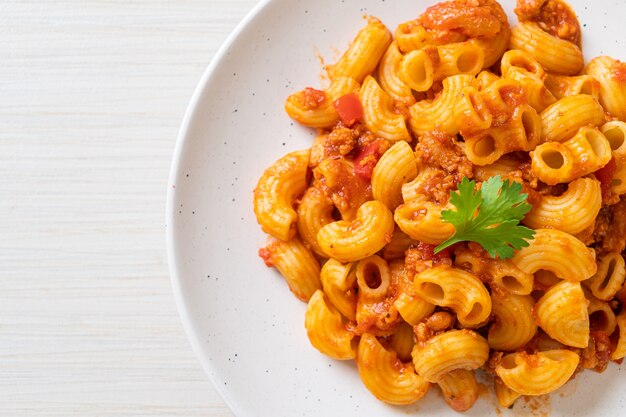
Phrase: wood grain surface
pixel 91 97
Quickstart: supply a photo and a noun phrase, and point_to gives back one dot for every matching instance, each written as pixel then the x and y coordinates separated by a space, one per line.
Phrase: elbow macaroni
pixel 386 376
pixel 586 152
pixel 276 191
pixel 537 374
pixel 446 352
pixel 562 313
pixel 554 54
pixel 459 290
pixel 364 236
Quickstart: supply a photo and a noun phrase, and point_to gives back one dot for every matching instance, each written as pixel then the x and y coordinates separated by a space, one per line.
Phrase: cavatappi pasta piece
pixel 421 220
pixel 399 243
pixel 558 252
pixel 412 308
pixel 537 374
pixel 506 396
pixel 438 114
pixel 315 108
pixel 389 79
pixel 609 278
pixel 363 54
pixel 457 289
pixel 386 376
pixel 396 167
pixel 611 74
pixel 472 112
pixel 615 133
pixel 601 316
pixel 554 54
pixel 326 330
pixel 501 272
pixel 620 349
pixel 314 212
pixel 296 264
pixel 572 212
pixel 339 283
pixel 522 132
pixel 276 192
pixel 502 167
pixel 514 324
pixel 563 86
pixel 378 114
pixel 368 233
pixel 402 341
pixel 563 119
pixel 445 352
pixel 586 152
pixel 562 313
pixel 459 389
pixel 373 278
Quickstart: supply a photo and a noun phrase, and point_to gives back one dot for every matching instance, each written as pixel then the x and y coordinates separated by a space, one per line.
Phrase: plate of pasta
pixel 386 208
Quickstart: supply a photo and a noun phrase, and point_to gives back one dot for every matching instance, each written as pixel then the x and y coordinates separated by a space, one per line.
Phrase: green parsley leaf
pixel 489 216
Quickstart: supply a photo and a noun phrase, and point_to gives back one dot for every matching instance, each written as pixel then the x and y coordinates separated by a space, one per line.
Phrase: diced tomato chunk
pixel 349 109
pixel 605 176
pixel 368 157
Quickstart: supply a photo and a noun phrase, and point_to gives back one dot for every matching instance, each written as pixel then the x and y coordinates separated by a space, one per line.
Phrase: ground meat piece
pixel 612 226
pixel 553 16
pixel 436 184
pixel 310 98
pixel 596 355
pixel 422 333
pixel 494 360
pixel 422 257
pixel 439 149
pixel 586 236
pixel 443 164
pixel 340 141
pixel 602 224
pixel 347 191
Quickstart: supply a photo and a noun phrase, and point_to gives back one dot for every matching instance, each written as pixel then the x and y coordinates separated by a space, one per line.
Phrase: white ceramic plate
pixel 243 322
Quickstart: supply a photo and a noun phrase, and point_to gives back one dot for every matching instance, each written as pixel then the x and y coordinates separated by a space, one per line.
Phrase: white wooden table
pixel 91 97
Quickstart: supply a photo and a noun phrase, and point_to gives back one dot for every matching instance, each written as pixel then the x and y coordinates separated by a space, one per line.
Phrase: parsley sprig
pixel 489 216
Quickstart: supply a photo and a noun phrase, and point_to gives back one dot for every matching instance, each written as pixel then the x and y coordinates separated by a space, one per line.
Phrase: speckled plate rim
pixel 175 172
